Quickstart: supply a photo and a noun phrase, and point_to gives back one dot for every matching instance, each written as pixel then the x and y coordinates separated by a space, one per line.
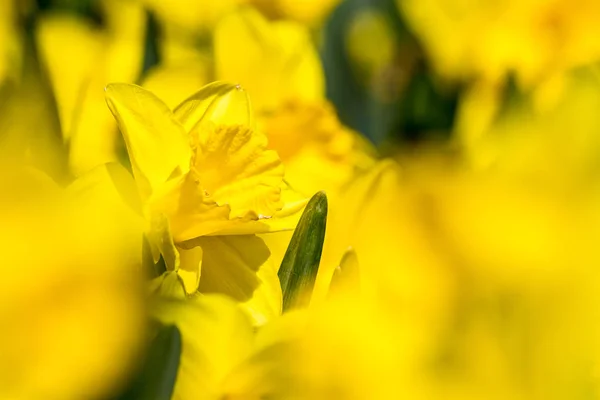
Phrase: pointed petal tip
pixel 110 87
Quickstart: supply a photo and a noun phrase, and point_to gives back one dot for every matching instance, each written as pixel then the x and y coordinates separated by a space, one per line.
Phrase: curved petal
pixel 273 61
pixel 217 337
pixel 190 218
pixel 266 302
pixel 190 268
pixel 240 267
pixel 157 144
pixel 230 265
pixel 285 219
pixel 162 243
pixel 218 103
pixel 107 197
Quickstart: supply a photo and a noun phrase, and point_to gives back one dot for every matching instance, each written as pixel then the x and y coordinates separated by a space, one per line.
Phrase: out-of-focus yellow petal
pixel 318 152
pixel 218 103
pixel 108 193
pixel 273 61
pixel 109 183
pixel 61 38
pixel 171 83
pixel 346 277
pixel 157 143
pixel 81 59
pixel 532 39
pixel 193 16
pixel 69 274
pixel 217 337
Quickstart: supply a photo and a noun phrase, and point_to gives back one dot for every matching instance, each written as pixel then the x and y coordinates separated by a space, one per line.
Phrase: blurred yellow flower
pixel 534 39
pixel 272 60
pixel 208 184
pixel 71 294
pixel 549 137
pixel 81 59
pixel 279 65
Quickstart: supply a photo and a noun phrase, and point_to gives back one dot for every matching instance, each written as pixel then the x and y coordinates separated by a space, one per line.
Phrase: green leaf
pixel 300 264
pixel 156 380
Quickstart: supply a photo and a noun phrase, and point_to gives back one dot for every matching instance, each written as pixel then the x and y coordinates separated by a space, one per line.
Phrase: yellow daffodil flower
pixel 208 184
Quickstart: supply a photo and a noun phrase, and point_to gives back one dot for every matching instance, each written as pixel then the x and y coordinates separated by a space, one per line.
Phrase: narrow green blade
pixel 156 380
pixel 300 264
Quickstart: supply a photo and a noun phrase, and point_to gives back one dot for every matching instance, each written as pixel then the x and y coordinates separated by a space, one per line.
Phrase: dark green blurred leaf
pixel 300 264
pixel 151 47
pixel 156 380
pixel 401 103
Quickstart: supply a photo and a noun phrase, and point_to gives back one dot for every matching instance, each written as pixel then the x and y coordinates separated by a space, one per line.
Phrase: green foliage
pixel 156 379
pixel 300 264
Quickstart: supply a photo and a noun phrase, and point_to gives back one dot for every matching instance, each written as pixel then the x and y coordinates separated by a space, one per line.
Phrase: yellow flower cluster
pixel 202 225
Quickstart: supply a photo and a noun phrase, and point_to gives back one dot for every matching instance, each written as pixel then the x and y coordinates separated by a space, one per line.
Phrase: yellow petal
pixel 285 219
pixel 273 61
pixel 217 337
pixel 63 38
pixel 267 300
pixel 190 268
pixel 106 198
pixel 240 267
pixel 162 243
pixel 191 16
pixel 169 285
pixel 190 219
pixel 156 142
pixel 217 103
pixel 171 83
pixel 230 264
pixel 346 277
